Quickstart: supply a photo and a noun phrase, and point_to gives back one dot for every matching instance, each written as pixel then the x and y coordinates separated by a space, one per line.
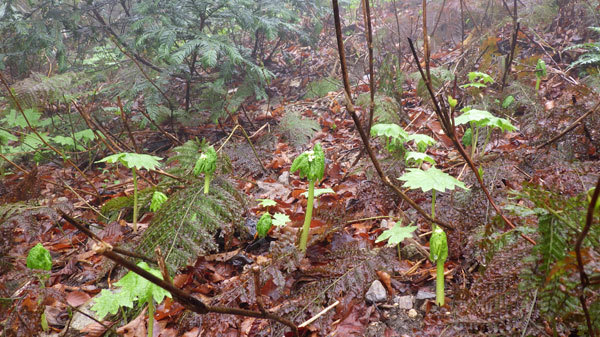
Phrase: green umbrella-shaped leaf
pixel 432 179
pixel 396 234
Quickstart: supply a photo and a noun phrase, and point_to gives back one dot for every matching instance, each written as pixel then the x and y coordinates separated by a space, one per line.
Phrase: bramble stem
pixel 439 284
pixel 135 200
pixel 308 216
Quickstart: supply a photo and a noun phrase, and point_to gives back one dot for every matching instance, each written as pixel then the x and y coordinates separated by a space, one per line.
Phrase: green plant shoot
pixel 39 258
pixel 438 253
pixel 264 224
pixel 434 180
pixel 396 234
pixel 311 165
pixel 158 199
pixel 134 161
pixel 134 288
pixel 540 72
pixel 207 164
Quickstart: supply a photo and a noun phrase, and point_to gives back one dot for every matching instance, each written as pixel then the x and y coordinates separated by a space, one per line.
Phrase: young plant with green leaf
pixel 207 164
pixel 310 164
pixel 480 119
pixel 278 219
pixel 134 288
pixel 396 234
pixel 158 199
pixel 434 180
pixel 264 224
pixel 540 72
pixel 134 161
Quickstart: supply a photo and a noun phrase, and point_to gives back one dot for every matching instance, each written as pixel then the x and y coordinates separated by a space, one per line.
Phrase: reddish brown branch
pixel 589 220
pixel 365 139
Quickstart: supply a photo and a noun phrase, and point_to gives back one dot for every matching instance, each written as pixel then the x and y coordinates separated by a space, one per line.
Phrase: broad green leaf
pixel 389 130
pixel 311 164
pixel 467 137
pixel 483 118
pixel 264 224
pixel 396 234
pixel 479 76
pixel 438 246
pixel 432 179
pixel 422 141
pixel 158 199
pixel 109 302
pixel 508 101
pixel 137 288
pixel 207 162
pixel 280 220
pixel 418 158
pixel 319 192
pixel 85 135
pixel 133 160
pixel 39 258
pixel 266 202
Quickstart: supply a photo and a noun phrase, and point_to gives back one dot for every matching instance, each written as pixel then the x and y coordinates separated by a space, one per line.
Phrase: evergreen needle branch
pixel 365 139
pixel 582 275
pixel 447 122
pixel 34 130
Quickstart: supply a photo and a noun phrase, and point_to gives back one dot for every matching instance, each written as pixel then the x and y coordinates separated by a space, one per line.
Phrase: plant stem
pixel 135 200
pixel 308 216
pixel 439 284
pixel 433 206
pixel 206 183
pixel 151 317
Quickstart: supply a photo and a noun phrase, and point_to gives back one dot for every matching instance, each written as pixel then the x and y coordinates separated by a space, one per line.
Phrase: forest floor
pixel 343 261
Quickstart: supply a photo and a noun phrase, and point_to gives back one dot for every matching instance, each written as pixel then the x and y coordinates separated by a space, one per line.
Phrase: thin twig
pixel 124 119
pixel 315 317
pixel 582 275
pixel 570 127
pixel 365 139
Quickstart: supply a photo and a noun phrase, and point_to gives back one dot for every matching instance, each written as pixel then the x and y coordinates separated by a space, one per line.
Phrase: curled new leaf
pixel 39 258
pixel 207 163
pixel 438 246
pixel 311 164
pixel 264 225
pixel 158 199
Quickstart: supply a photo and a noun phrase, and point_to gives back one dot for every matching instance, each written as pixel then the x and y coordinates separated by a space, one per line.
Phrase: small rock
pixel 284 178
pixel 424 294
pixel 412 313
pixel 376 293
pixel 404 302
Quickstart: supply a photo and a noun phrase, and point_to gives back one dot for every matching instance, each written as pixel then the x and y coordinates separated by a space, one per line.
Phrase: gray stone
pixel 376 293
pixel 404 302
pixel 424 294
pixel 284 178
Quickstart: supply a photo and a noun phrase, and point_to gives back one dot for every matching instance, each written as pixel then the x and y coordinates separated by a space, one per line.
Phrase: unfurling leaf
pixel 438 246
pixel 311 164
pixel 207 162
pixel 264 225
pixel 467 137
pixel 39 258
pixel 158 199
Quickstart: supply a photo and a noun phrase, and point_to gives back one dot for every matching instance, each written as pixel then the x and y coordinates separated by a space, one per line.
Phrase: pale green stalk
pixel 151 318
pixel 439 284
pixel 206 183
pixel 308 216
pixel 474 139
pixel 135 200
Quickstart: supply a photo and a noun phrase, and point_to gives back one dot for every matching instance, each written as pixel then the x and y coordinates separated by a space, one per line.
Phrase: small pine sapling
pixel 311 165
pixel 134 161
pixel 207 164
